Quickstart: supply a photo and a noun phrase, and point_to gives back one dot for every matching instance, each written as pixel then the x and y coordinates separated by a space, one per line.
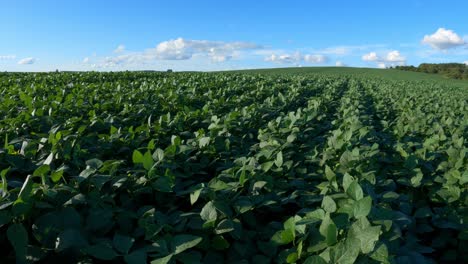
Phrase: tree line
pixel 450 70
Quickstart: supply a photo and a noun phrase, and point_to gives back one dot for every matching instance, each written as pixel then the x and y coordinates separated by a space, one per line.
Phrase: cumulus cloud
pixel 220 58
pixel 466 63
pixel 27 61
pixel 181 49
pixel 340 64
pixel 381 65
pixel 394 56
pixel 315 58
pixel 86 60
pixel 284 58
pixel 443 39
pixel 296 57
pixel 391 58
pixel 119 49
pixel 7 57
pixel 372 56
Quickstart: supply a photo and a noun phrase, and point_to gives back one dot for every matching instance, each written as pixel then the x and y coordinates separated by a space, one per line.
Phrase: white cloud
pixel 296 57
pixel 119 49
pixel 395 56
pixel 181 49
pixel 220 58
pixel 466 63
pixel 340 64
pixel 443 39
pixel 122 59
pixel 27 61
pixel 283 58
pixel 381 65
pixel 86 60
pixel 7 57
pixel 372 56
pixel 315 58
pixel 392 58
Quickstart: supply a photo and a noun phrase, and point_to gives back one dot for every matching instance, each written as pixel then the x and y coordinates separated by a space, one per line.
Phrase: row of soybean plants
pixel 257 200
pixel 428 168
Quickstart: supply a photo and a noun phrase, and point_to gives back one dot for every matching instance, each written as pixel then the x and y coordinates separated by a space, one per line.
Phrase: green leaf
pixel 70 238
pixel 18 237
pixel 292 258
pixel 328 230
pixel 315 260
pixel 123 243
pixel 242 177
pixel 347 180
pixel 242 205
pixel 136 257
pixel 449 193
pixel 102 251
pixel 137 157
pixel 208 212
pixel 287 236
pixel 225 226
pixel 41 170
pixel 290 224
pixel 380 254
pixel 267 166
pixel 148 161
pixel 158 154
pixel 219 243
pixel 194 196
pixel 56 176
pixel 355 191
pixel 345 252
pixel 299 249
pixel 3 174
pixel 279 159
pixel 423 212
pixel 204 141
pixel 362 207
pixel 416 180
pixel 329 174
pixel 163 260
pixel 328 204
pixel 49 226
pixel 94 164
pixel 291 138
pixel 49 159
pixel 367 235
pixel 26 190
pixel 283 237
pixel 184 242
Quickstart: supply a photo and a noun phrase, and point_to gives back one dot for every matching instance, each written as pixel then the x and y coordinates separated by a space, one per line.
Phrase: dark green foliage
pixel 450 70
pixel 232 168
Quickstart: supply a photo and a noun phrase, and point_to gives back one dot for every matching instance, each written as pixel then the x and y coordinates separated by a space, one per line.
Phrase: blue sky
pixel 216 35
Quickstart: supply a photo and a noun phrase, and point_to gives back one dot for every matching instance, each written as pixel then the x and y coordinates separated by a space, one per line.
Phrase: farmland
pixel 268 166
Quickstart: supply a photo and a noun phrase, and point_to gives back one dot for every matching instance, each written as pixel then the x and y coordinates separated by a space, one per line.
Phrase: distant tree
pixel 450 70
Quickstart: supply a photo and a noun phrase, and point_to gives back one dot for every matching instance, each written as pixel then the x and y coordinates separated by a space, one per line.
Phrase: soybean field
pixel 266 166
